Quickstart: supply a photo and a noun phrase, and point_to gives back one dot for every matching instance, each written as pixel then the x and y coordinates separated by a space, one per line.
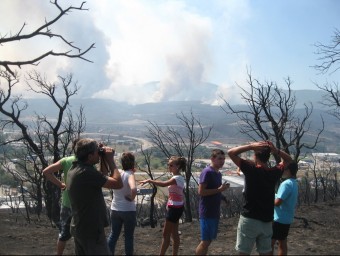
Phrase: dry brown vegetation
pixel 316 231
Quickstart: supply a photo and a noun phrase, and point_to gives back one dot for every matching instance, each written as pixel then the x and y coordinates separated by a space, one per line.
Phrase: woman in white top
pixel 175 204
pixel 123 206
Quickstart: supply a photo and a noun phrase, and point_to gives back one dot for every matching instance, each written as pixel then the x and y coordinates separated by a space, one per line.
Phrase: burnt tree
pixel 181 140
pixel 270 114
pixel 41 136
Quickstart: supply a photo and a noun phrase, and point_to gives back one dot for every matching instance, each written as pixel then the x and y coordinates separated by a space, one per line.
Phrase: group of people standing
pixel 261 204
pixel 82 192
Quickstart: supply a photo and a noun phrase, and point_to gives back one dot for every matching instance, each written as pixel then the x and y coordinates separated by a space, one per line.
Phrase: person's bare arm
pixel 278 201
pixel 115 181
pixel 103 167
pixel 238 171
pixel 49 171
pixel 236 151
pixel 286 158
pixel 132 184
pixel 159 182
pixel 203 191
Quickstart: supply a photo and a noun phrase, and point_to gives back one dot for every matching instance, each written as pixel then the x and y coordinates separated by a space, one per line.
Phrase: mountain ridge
pixel 118 117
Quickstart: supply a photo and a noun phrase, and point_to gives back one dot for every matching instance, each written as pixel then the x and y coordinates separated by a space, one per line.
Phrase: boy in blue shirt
pixel 285 203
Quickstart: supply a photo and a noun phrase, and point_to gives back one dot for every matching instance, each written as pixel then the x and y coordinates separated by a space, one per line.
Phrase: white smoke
pixel 168 43
pixel 187 66
pixel 144 51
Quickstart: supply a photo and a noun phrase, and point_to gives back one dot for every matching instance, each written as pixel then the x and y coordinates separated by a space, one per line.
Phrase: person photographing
pixel 85 185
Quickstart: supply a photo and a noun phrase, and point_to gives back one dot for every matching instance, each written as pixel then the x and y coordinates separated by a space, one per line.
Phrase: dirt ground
pixel 315 232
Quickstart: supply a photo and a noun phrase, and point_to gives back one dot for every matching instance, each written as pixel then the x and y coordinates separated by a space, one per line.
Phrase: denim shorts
pixel 280 231
pixel 250 232
pixel 64 224
pixel 209 228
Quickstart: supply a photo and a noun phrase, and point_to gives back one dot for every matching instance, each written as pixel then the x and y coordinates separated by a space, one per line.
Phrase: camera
pixel 101 151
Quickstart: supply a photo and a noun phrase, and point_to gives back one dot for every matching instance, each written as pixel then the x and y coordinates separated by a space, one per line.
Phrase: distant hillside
pixel 112 111
pixel 119 118
pixel 307 96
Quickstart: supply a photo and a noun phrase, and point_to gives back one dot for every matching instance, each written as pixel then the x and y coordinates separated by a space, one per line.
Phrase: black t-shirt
pixel 84 184
pixel 259 191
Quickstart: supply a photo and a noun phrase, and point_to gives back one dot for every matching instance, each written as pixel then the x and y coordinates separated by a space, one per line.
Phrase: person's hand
pixel 238 171
pixel 63 186
pixel 143 182
pixel 109 153
pixel 224 186
pixel 273 149
pixel 260 144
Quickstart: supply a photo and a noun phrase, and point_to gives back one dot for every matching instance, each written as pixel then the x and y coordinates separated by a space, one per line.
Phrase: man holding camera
pixel 85 185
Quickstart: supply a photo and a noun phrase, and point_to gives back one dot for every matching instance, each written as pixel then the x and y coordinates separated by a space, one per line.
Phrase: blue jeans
pixel 118 218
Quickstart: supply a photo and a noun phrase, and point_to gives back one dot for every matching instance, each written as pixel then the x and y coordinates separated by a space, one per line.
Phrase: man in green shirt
pixel 63 164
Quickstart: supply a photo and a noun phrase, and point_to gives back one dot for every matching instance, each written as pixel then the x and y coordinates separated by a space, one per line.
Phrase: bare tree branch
pixel 329 54
pixel 269 114
pixel 331 98
pixel 182 141
pixel 43 137
pixel 45 31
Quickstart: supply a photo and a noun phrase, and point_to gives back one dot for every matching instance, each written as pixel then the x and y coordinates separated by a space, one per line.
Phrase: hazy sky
pixel 156 50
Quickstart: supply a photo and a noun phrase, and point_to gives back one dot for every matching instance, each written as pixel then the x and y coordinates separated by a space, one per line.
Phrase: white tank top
pixel 176 196
pixel 119 203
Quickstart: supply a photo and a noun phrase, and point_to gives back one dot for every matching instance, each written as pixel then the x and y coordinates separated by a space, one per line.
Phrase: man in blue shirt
pixel 285 202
